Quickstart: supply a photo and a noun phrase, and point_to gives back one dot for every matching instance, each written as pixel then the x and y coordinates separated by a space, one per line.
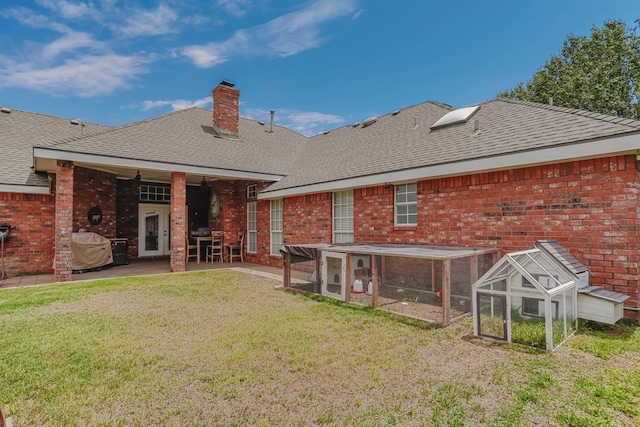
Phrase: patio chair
pixel 215 249
pixel 191 250
pixel 236 250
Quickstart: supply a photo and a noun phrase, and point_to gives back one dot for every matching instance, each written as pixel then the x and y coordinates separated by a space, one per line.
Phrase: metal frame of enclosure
pixel 528 297
pixel 428 283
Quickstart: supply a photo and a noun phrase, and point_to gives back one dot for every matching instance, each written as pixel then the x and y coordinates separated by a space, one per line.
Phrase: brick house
pixel 501 174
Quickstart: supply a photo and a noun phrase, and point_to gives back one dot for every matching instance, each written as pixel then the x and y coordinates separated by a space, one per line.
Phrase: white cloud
pixel 69 42
pixel 311 123
pixel 236 8
pixel 178 104
pixel 307 123
pixel 35 20
pixel 143 22
pixel 68 9
pixel 84 76
pixel 282 36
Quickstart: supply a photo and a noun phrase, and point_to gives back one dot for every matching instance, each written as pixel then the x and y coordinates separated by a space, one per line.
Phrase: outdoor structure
pixel 499 175
pixel 422 282
pixel 530 297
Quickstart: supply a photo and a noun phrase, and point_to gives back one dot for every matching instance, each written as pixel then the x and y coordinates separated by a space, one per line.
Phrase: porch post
pixel 178 221
pixel 62 265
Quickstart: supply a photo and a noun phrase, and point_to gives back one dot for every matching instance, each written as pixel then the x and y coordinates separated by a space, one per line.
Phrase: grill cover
pixel 90 250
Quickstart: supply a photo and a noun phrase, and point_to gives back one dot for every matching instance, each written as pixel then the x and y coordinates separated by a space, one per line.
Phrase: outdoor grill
pixel 5 231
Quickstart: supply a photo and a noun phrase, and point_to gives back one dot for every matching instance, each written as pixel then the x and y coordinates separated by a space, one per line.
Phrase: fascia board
pixel 25 189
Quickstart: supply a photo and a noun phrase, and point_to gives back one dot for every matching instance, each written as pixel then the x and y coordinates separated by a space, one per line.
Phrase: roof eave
pixel 52 154
pixel 625 144
pixel 24 189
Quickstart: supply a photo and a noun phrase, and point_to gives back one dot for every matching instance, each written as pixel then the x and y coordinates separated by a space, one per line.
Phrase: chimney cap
pixel 227 83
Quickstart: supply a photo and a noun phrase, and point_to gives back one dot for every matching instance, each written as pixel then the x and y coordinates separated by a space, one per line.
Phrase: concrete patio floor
pixel 140 268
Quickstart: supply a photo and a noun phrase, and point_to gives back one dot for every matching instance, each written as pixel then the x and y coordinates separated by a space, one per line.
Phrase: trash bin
pixel 119 249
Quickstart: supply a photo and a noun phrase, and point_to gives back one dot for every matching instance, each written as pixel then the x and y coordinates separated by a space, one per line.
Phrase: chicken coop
pixel 429 283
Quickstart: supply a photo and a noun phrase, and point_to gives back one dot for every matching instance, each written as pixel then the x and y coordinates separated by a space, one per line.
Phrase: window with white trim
pixel 343 216
pixel 252 227
pixel 406 204
pixel 252 191
pixel 276 226
pixel 154 193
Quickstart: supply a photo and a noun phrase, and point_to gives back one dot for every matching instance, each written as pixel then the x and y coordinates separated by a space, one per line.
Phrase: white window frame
pixel 252 227
pixel 343 216
pixel 406 204
pixel 252 191
pixel 154 193
pixel 275 226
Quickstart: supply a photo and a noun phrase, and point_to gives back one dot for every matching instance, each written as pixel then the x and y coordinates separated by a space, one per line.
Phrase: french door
pixel 154 230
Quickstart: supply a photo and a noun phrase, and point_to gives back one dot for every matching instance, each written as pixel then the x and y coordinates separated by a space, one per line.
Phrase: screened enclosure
pixel 528 297
pixel 428 283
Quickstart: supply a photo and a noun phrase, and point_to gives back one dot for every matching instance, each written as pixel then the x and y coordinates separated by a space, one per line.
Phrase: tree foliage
pixel 600 73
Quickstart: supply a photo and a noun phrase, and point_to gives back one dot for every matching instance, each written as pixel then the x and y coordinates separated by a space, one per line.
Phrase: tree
pixel 600 73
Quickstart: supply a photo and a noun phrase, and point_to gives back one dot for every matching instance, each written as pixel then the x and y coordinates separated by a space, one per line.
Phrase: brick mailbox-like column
pixel 64 221
pixel 178 220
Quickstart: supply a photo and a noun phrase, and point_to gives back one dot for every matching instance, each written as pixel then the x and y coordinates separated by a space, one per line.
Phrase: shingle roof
pixel 20 131
pixel 397 141
pixel 405 141
pixel 187 137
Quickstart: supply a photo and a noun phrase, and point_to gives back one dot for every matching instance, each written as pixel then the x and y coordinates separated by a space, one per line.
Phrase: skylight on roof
pixel 461 115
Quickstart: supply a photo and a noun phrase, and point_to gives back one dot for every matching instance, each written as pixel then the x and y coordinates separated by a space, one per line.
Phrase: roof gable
pixel 187 137
pixel 20 131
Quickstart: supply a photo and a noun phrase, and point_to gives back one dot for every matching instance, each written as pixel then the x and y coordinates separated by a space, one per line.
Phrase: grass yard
pixel 225 348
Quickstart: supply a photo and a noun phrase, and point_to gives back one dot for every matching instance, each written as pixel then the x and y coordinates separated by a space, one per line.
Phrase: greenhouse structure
pixel 530 297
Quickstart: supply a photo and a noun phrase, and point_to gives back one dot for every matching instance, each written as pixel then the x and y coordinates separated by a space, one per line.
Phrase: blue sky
pixel 319 64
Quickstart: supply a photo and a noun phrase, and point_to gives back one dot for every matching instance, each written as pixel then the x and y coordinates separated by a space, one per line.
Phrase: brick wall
pixel 178 220
pixel 94 188
pixel 29 249
pixel 591 207
pixel 127 214
pixel 226 101
pixel 63 221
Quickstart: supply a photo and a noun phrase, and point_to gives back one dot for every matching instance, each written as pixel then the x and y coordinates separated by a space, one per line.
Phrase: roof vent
pixel 74 122
pixel 260 123
pixel 461 115
pixel 5 110
pixel 369 121
pixel 395 113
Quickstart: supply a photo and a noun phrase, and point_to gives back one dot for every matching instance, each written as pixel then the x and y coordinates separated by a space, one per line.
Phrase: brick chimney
pixel 225 109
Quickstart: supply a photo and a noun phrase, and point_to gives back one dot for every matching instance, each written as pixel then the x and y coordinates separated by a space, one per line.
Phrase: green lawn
pixel 225 348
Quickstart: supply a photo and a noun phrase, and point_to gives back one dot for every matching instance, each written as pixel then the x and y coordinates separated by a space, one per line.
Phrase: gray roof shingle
pixel 187 137
pixel 20 131
pixel 405 141
pixel 397 141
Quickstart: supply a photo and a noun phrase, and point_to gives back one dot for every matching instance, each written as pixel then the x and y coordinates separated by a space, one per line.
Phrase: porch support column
pixel 62 265
pixel 178 221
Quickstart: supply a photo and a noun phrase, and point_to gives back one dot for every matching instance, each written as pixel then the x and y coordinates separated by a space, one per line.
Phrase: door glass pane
pixel 491 316
pixel 151 230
